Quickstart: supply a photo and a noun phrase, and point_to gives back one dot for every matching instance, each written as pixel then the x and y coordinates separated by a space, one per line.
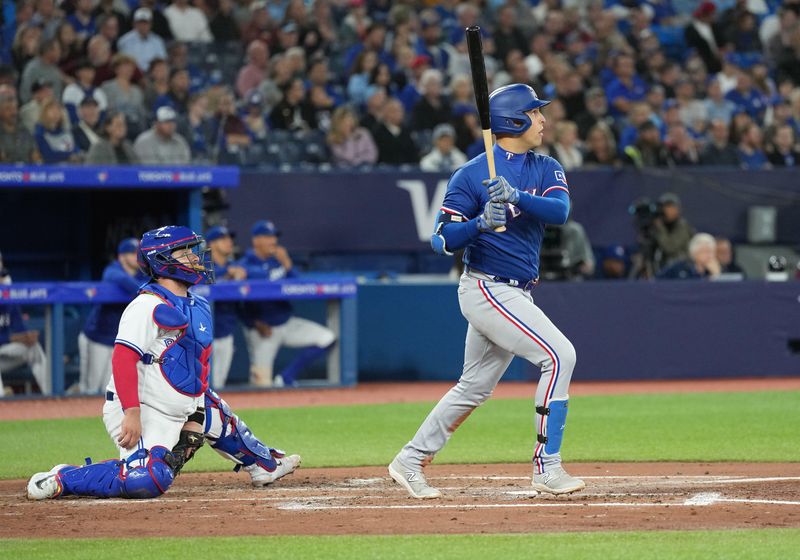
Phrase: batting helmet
pixel 508 106
pixel 157 261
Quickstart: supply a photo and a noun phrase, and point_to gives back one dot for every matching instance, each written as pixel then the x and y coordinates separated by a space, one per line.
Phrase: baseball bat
pixel 481 87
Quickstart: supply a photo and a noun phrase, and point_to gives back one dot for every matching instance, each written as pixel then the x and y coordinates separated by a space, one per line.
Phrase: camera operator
pixel 663 235
pixel 671 232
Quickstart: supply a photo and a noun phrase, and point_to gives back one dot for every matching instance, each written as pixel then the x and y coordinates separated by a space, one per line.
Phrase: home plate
pixel 703 499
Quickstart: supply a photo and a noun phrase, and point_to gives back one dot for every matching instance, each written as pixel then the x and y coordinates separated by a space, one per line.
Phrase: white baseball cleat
pixel 45 485
pixel 262 477
pixel 557 481
pixel 413 481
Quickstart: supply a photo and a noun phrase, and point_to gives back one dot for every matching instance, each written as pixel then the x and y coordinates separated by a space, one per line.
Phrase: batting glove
pixel 501 191
pixel 494 216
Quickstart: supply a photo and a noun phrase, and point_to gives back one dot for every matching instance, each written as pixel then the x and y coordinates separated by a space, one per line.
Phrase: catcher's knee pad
pixel 230 437
pixel 120 479
pixel 556 413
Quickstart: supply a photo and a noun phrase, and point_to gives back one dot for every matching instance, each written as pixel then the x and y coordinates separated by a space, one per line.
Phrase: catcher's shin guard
pixel 231 438
pixel 552 433
pixel 120 478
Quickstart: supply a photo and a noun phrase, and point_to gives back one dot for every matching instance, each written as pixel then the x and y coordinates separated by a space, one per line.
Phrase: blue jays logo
pixel 168 341
pixel 561 177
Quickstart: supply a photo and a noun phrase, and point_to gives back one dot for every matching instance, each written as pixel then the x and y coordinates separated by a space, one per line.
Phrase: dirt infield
pixel 478 499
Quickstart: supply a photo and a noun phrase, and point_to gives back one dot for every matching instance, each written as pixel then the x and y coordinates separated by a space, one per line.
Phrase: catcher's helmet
pixel 508 105
pixel 157 261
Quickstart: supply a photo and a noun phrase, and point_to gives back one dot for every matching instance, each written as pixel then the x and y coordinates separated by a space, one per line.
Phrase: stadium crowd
pixel 374 82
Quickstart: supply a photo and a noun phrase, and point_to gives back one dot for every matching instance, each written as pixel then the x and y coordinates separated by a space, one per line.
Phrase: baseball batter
pixel 495 291
pixel 159 409
pixel 270 324
pixel 96 342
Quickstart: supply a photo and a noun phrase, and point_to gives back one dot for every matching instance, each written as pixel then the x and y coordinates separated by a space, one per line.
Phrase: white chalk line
pixel 697 479
pixel 298 506
pixel 711 498
pixel 698 500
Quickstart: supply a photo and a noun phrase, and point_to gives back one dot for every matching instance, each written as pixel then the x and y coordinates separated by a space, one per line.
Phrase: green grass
pixel 670 427
pixel 730 545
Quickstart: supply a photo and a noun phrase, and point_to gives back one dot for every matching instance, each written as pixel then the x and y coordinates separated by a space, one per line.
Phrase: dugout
pixel 64 223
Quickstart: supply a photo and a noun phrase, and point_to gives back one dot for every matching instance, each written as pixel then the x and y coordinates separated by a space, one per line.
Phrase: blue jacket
pixel 225 312
pixel 273 313
pixel 10 322
pixel 103 320
pixel 681 270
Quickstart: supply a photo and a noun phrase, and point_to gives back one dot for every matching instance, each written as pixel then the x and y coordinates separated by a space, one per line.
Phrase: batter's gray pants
pixel 503 323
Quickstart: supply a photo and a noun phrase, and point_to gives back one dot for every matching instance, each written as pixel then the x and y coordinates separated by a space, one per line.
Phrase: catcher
pixel 159 409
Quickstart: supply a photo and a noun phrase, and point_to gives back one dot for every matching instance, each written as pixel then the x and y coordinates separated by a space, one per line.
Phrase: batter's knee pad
pixel 556 413
pixel 230 437
pixel 119 479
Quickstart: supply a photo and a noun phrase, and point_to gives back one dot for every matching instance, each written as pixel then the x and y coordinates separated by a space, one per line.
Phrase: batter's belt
pixel 524 285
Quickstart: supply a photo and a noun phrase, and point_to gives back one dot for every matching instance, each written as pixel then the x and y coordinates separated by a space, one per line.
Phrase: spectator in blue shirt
pixel 18 344
pixel 140 42
pixel 358 84
pixel 638 114
pixel 55 140
pixel 717 107
pixel 96 342
pixel 271 324
pixel 225 312
pixel 751 148
pixel 429 42
pixel 177 96
pixel 82 19
pixel 626 87
pixel 373 40
pixel 745 96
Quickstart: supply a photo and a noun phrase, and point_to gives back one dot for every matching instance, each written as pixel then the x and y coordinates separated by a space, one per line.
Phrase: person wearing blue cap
pixel 225 312
pixel 614 263
pixel 271 324
pixel 96 341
